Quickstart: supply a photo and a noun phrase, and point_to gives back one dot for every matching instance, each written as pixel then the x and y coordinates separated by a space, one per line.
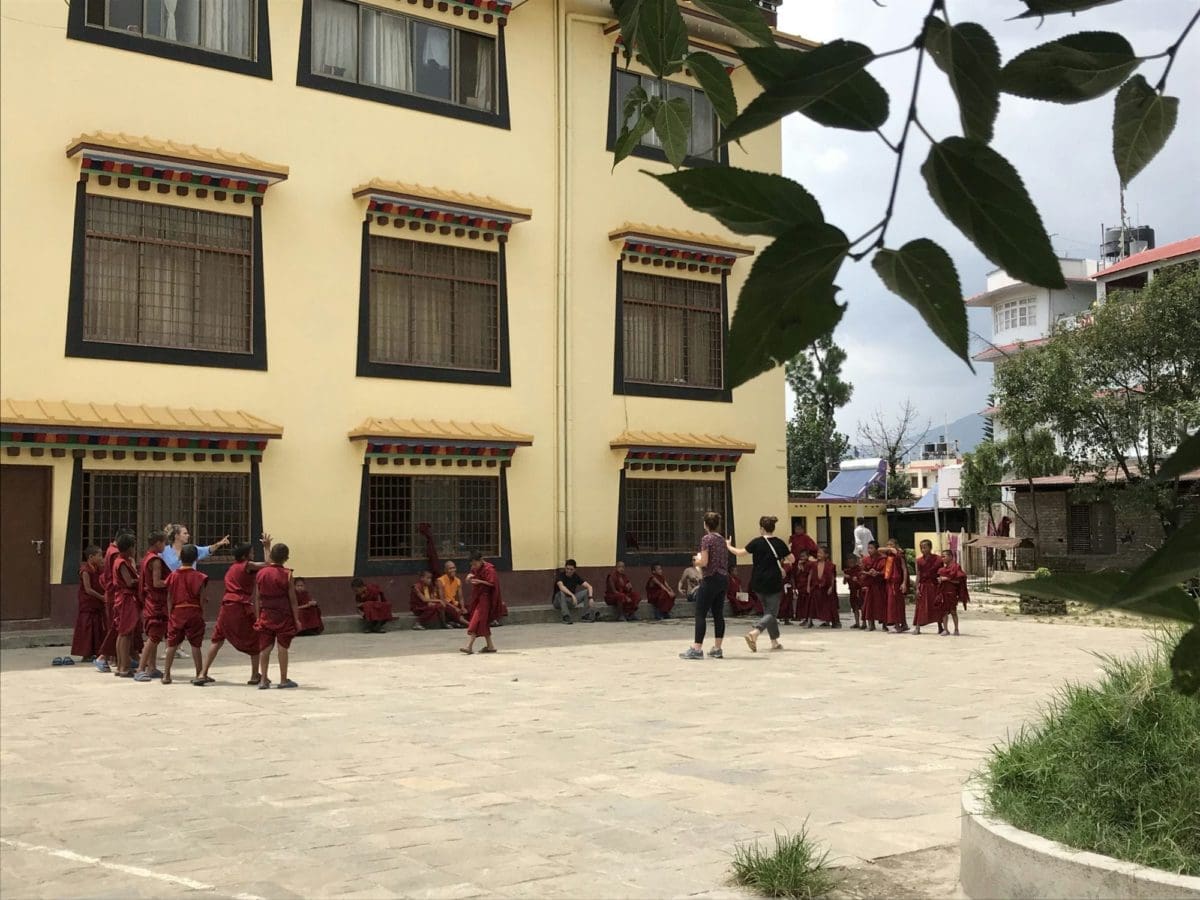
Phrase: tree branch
pixel 1173 51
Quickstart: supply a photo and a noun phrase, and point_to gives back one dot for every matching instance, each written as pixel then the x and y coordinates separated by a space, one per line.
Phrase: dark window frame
pixel 666 558
pixel 616 120
pixel 78 346
pixel 722 394
pixel 1101 529
pixel 367 368
pixel 260 67
pixel 365 566
pixel 305 77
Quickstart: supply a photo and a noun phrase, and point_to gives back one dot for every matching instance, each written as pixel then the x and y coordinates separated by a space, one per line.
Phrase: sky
pixel 1063 153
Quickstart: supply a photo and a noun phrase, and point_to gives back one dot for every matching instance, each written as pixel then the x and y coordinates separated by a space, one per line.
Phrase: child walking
pixel 185 609
pixel 278 616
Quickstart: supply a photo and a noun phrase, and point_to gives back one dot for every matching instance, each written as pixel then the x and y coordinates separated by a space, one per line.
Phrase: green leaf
pixel 770 65
pixel 968 55
pixel 742 15
pixel 716 84
pixel 628 15
pixel 788 300
pixel 1038 8
pixel 631 136
pixel 1177 560
pixel 654 30
pixel 1070 69
pixel 745 202
pixel 634 101
pixel 860 104
pixel 1185 458
pixel 1142 122
pixel 812 77
pixel 672 122
pixel 981 193
pixel 923 274
pixel 1102 590
pixel 1185 664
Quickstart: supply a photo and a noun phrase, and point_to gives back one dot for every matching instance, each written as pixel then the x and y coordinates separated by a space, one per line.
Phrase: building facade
pixel 338 270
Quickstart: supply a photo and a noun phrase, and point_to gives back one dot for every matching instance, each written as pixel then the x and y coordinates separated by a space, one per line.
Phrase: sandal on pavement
pixel 465 650
pixel 752 642
pixel 488 650
pixel 254 679
pixel 287 683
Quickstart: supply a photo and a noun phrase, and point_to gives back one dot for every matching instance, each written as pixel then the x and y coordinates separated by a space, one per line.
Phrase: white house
pixel 1133 272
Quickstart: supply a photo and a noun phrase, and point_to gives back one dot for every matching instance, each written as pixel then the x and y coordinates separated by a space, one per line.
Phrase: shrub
pixel 797 867
pixel 1112 768
pixel 1042 572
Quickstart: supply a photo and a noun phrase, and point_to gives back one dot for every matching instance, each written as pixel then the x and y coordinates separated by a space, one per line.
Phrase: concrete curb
pixel 998 861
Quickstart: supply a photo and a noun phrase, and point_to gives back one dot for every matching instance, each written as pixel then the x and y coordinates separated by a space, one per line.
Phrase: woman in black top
pixel 770 556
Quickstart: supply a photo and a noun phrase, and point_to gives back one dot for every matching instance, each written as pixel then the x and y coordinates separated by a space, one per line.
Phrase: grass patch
pixel 1113 768
pixel 796 867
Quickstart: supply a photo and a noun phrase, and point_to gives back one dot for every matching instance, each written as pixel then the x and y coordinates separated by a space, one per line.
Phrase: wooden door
pixel 24 542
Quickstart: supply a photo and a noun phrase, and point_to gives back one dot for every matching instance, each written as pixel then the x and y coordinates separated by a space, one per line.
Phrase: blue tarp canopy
pixel 852 484
pixel 929 501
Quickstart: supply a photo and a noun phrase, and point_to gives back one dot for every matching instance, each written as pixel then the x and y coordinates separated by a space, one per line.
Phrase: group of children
pixel 127 608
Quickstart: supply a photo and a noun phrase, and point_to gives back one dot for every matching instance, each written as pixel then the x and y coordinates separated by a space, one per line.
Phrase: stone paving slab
pixel 579 762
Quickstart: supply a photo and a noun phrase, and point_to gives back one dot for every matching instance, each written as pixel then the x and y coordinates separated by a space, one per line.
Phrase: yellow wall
pixel 563 489
pixel 812 510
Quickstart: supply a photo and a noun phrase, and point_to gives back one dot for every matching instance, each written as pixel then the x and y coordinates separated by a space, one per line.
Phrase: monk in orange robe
pixel 619 593
pixel 874 610
pixel 928 611
pixel 896 576
pixel 449 589
pixel 952 590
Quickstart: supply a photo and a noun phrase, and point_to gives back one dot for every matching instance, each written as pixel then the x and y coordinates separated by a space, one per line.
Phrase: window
pixel 464 513
pixel 673 331
pixel 219 26
pixel 381 49
pixel 703 137
pixel 665 515
pixel 1014 314
pixel 433 305
pixel 1091 529
pixel 167 277
pixel 211 505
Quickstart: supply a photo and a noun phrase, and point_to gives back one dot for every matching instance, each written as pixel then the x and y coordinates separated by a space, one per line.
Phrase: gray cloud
pixel 1062 152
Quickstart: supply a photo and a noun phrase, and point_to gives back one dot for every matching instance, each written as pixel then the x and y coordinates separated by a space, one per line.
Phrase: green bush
pixel 796 867
pixel 1042 572
pixel 1112 768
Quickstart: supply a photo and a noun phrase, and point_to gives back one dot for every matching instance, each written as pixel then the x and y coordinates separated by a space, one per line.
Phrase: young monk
pixel 928 611
pixel 450 591
pixel 485 596
pixel 659 594
pixel 822 589
pixel 124 579
pixel 235 620
pixel 874 587
pixel 278 616
pixel 152 583
pixel 738 606
pixel 952 590
pixel 619 593
pixel 895 575
pixel 89 619
pixel 108 647
pixel 185 609
pixel 311 622
pixel 802 598
pixel 375 608
pixel 852 578
pixel 800 540
pixel 425 604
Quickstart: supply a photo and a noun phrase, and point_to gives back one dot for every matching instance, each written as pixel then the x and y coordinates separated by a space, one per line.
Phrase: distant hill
pixel 968 431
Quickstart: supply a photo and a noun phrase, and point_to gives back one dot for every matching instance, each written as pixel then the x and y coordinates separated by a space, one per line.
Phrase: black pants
pixel 710 596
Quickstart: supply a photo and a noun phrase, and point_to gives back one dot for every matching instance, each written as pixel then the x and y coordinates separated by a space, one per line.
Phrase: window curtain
pixel 432 60
pixel 386 56
pixel 110 310
pixel 477 71
pixel 166 299
pixel 227 26
pixel 335 39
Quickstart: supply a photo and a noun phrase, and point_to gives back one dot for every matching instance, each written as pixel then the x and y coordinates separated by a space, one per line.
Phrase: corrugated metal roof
pixel 1146 257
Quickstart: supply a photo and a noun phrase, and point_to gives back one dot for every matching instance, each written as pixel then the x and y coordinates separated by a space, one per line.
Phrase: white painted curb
pixel 999 862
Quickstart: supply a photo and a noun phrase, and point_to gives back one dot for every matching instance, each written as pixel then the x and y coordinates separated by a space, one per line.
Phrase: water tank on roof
pixel 1135 239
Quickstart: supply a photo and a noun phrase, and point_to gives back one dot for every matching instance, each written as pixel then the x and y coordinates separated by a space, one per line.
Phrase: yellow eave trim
pixel 172 151
pixel 437 430
pixel 667 440
pixel 683 238
pixel 25 414
pixel 402 192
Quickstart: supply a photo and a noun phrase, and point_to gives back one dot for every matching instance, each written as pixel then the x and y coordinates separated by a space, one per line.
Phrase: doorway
pixel 25 542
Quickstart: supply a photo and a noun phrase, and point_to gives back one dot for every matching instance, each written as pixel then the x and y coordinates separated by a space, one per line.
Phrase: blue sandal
pixel 57 661
pixel 68 660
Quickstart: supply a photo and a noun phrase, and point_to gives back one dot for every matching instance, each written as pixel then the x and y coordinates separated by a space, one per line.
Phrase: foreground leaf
pixel 672 122
pixel 1102 590
pixel 1185 458
pixel 981 193
pixel 860 104
pixel 1142 122
pixel 628 14
pixel 1185 664
pixel 1177 560
pixel 1038 8
pixel 923 274
pixel 812 76
pixel 968 54
pixel 788 300
pixel 745 202
pixel 742 15
pixel 631 135
pixel 770 65
pixel 715 81
pixel 1071 69
pixel 662 39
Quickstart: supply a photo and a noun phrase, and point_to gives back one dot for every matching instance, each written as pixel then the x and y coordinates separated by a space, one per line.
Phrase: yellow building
pixel 336 269
pixel 831 523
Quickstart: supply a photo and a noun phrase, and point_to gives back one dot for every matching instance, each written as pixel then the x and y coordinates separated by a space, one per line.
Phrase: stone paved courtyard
pixel 579 762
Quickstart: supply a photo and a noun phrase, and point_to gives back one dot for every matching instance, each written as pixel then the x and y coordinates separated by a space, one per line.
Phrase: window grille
pixel 666 515
pixel 673 333
pixel 463 512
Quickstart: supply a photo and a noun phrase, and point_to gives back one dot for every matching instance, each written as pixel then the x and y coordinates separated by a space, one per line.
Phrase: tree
pixel 894 438
pixel 815 446
pixel 1120 393
pixel 983 469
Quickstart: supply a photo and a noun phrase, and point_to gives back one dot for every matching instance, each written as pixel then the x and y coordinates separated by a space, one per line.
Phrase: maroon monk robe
pixel 799 542
pixel 928 610
pixel 423 605
pixel 485 600
pixel 874 589
pixel 803 602
pixel 90 624
pixel 374 606
pixel 154 600
pixel 109 645
pixel 660 596
pixel 310 616
pixel 823 591
pixel 737 606
pixel 896 574
pixel 431 554
pixel 787 602
pixel 619 592
pixel 954 590
pixel 852 578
